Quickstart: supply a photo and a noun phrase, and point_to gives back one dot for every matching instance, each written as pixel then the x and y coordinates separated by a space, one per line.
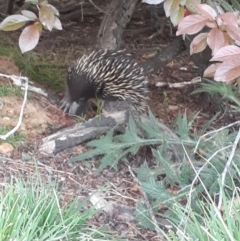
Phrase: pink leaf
pixel 227 53
pixel 211 24
pixel 229 19
pixel 29 38
pixel 199 43
pixel 191 24
pixel 228 71
pixel 210 70
pixel 233 32
pixel 215 40
pixel 207 11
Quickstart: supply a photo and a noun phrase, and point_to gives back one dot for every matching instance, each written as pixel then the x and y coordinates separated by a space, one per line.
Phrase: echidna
pixel 107 75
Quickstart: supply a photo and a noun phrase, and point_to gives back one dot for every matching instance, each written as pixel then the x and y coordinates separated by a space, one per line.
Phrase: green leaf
pixel 182 131
pixel 143 217
pixel 157 190
pixel 167 167
pixel 236 4
pixel 208 123
pixel 13 22
pixel 86 155
pixel 111 159
pixel 144 172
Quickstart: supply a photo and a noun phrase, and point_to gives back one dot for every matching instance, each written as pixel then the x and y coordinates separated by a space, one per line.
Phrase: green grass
pixel 213 225
pixel 208 223
pixel 31 211
pixel 14 140
pixel 10 90
pixel 44 69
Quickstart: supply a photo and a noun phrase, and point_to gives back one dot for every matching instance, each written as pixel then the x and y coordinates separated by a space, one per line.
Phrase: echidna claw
pixel 65 106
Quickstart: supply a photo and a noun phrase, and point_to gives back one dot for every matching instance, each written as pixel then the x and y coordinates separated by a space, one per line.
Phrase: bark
pixel 99 125
pixel 162 58
pixel 115 20
pixel 82 132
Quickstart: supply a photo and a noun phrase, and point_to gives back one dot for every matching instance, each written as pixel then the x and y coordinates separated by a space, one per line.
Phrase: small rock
pixel 6 121
pixel 6 148
pixel 173 107
pixel 6 118
pixel 11 111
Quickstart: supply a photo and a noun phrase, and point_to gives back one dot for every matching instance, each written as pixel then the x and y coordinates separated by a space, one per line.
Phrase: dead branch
pixel 162 58
pixel 116 119
pixel 179 85
pixel 82 132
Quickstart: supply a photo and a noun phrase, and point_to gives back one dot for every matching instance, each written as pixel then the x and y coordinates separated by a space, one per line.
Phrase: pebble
pixel 6 119
pixel 173 107
pixel 6 148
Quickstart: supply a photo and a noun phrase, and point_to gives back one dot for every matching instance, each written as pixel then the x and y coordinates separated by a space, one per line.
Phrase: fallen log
pixel 116 118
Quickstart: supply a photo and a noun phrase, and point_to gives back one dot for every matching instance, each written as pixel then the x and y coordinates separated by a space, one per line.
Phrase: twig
pixel 234 146
pixel 214 132
pixel 179 85
pixel 99 9
pixel 114 190
pixel 146 202
pixel 18 79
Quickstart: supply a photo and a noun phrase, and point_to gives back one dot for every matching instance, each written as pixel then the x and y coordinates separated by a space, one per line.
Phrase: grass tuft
pixel 31 211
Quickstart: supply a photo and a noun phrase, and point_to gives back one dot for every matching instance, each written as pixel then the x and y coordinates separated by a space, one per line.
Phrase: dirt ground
pixel 42 116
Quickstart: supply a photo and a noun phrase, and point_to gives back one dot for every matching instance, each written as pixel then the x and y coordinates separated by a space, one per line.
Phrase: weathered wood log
pixel 116 118
pixel 83 132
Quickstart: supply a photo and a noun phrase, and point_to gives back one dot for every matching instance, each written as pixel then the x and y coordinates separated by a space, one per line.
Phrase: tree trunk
pixel 163 57
pixel 113 23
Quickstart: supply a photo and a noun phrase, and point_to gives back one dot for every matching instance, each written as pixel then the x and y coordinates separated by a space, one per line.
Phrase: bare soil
pixel 41 117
